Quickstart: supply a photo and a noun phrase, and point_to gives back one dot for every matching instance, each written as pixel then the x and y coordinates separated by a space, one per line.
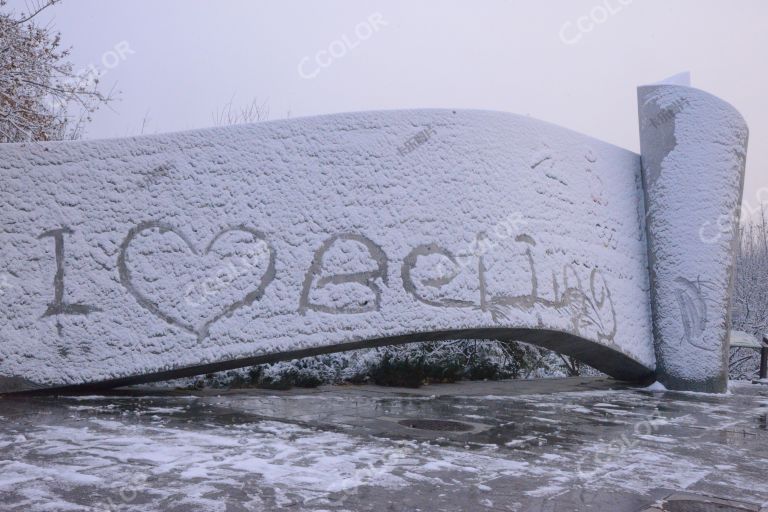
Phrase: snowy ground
pixel 563 445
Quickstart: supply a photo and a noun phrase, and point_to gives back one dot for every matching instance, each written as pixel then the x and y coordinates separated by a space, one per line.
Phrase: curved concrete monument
pixel 694 149
pixel 132 260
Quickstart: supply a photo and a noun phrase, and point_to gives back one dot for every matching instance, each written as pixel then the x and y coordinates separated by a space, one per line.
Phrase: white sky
pixel 192 56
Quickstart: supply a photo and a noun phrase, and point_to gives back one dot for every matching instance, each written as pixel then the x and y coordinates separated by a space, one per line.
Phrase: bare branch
pixel 250 113
pixel 41 98
pixel 37 10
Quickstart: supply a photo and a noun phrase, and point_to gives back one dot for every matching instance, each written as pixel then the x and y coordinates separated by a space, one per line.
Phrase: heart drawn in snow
pixel 193 289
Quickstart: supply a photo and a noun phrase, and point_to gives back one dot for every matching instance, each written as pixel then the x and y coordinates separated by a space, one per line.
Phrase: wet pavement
pixel 548 445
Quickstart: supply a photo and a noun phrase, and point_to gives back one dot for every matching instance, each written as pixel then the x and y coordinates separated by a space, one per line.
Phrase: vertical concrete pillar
pixel 693 148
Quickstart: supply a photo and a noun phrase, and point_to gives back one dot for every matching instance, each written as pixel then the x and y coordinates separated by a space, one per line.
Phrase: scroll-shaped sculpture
pixel 693 148
pixel 140 259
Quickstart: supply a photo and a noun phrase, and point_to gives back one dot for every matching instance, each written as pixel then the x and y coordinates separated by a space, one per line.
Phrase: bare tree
pixel 750 291
pixel 750 297
pixel 250 113
pixel 41 97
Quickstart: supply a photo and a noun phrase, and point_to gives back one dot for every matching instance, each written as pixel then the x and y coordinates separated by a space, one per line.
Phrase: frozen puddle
pixel 268 464
pixel 335 450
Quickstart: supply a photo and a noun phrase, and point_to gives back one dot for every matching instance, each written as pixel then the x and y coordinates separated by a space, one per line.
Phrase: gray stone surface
pixel 683 502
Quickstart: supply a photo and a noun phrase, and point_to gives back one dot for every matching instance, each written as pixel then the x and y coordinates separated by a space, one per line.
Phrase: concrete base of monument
pixel 714 384
pixel 545 445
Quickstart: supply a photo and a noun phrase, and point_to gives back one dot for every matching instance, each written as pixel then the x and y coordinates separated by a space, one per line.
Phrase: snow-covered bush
pixel 449 361
pixel 409 365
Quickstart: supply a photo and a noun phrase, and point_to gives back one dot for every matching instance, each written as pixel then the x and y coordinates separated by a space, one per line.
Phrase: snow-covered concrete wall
pixel 141 258
pixel 693 148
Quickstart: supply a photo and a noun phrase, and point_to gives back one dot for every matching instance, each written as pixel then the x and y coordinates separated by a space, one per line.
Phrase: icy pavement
pixel 573 444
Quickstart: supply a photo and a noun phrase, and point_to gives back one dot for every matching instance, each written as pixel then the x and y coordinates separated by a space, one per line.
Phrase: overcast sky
pixel 575 63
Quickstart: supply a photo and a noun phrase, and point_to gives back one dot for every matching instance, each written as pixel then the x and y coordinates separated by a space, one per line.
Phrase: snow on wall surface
pixel 132 256
pixel 694 148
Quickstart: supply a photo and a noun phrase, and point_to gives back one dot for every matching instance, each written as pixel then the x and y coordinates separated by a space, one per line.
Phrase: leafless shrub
pixel 743 363
pixel 229 114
